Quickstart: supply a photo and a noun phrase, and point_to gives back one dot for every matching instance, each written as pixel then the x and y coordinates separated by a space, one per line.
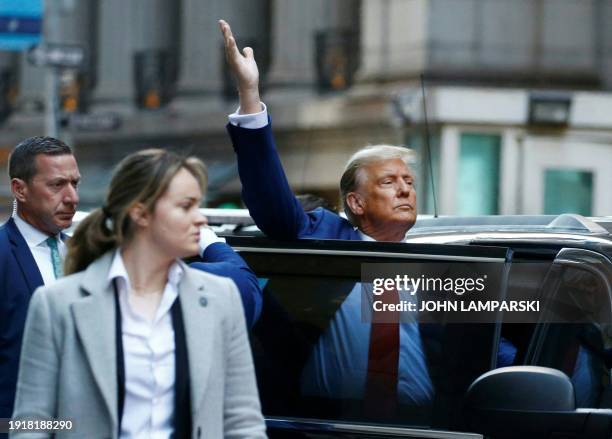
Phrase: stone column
pixel 393 38
pixel 293 43
pixel 202 57
pixel 115 52
pixel 295 24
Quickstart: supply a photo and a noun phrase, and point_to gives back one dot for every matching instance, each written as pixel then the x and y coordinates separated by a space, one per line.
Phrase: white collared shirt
pixel 251 121
pixel 41 252
pixel 148 351
pixel 364 237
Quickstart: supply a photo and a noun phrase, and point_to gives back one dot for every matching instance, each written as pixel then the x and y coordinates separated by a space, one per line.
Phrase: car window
pixel 576 336
pixel 311 346
pixel 526 280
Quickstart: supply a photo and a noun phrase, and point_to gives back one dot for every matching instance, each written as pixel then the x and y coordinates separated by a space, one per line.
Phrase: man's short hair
pixel 352 175
pixel 22 161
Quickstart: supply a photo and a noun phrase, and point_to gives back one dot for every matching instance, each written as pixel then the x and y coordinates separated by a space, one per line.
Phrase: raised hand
pixel 244 69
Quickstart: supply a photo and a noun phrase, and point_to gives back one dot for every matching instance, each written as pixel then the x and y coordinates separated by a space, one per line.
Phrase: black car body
pixel 566 259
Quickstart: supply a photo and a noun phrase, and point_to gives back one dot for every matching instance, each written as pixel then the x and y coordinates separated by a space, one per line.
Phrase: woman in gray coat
pixel 135 343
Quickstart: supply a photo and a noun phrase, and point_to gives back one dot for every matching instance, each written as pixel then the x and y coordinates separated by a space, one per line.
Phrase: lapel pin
pixel 203 301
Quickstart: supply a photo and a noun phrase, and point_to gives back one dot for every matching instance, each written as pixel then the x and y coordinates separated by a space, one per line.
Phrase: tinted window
pixel 568 190
pixel 581 345
pixel 312 349
pixel 478 178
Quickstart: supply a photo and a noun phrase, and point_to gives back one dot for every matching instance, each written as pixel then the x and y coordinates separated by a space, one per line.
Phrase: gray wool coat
pixel 68 366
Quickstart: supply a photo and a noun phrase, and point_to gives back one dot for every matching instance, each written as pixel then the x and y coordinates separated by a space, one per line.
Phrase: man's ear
pixel 355 203
pixel 139 215
pixel 19 189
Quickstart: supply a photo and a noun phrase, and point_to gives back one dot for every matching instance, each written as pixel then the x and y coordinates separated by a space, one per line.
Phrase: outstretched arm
pixel 265 189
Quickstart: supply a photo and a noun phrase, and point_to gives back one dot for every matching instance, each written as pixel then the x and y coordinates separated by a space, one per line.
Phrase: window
pixel 568 191
pixel 478 178
pixel 311 346
pixel 574 335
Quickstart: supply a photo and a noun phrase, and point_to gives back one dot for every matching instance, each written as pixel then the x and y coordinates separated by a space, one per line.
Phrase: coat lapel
pixel 24 257
pixel 198 320
pixel 95 323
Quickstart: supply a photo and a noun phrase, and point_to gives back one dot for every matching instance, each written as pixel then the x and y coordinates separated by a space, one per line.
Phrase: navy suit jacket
pixel 276 211
pixel 19 277
pixel 267 194
pixel 220 259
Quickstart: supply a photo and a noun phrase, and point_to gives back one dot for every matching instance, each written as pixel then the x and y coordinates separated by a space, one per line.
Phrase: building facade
pixel 517 92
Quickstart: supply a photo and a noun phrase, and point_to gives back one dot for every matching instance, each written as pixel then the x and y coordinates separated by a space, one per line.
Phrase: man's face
pixel 386 190
pixel 49 200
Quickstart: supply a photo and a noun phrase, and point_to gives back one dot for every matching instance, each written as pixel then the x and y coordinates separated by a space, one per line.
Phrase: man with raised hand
pixel 377 186
pixel 379 199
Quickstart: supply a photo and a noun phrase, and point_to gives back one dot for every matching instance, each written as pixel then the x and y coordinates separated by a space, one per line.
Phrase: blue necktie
pixel 56 260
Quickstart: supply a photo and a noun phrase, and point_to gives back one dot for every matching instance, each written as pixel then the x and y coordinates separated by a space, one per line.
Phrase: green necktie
pixel 56 260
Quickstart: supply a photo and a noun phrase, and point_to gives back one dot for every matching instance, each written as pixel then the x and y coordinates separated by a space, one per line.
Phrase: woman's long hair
pixel 142 177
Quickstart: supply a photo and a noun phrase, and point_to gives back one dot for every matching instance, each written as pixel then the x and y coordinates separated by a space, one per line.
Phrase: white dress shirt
pixel 251 121
pixel 41 252
pixel 148 351
pixel 208 237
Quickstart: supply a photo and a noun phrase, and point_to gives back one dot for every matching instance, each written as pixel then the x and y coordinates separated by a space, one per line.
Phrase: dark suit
pixel 267 194
pixel 19 277
pixel 220 259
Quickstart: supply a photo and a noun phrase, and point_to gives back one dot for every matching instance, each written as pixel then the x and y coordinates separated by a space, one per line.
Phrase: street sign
pixel 57 55
pixel 95 122
pixel 20 24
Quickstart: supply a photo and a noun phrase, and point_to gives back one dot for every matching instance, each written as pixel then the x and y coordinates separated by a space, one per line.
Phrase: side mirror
pixel 531 402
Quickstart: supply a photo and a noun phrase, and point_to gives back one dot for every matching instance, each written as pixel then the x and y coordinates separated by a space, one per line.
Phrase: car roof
pixel 541 233
pixel 509 230
pixel 564 223
pixel 427 225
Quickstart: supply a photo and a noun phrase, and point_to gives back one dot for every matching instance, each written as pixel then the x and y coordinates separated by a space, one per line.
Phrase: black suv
pixel 548 376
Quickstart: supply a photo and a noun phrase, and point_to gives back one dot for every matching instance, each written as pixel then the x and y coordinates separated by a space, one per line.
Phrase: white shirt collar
pixel 31 234
pixel 365 237
pixel 169 295
pixel 118 270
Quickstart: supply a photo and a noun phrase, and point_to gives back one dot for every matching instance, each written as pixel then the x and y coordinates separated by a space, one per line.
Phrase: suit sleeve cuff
pixel 208 237
pixel 251 121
